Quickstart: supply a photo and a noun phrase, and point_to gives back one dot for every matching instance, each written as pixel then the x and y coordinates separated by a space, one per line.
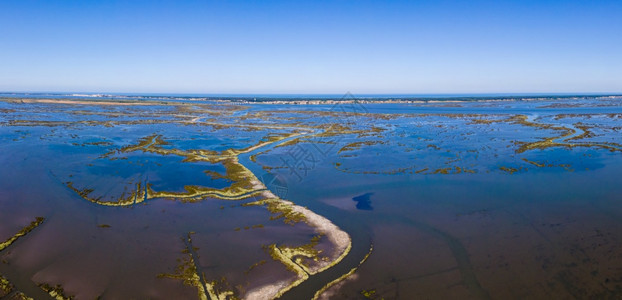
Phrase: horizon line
pixel 244 94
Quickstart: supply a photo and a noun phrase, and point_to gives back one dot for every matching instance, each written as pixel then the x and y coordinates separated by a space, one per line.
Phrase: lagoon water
pixel 466 200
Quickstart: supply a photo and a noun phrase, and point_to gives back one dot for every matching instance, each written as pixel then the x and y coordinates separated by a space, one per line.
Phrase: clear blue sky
pixel 311 47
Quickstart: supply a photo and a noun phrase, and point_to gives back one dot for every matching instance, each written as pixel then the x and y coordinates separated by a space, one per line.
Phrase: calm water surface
pixel 467 201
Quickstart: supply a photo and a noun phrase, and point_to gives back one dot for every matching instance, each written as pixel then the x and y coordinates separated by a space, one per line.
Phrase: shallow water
pixel 510 199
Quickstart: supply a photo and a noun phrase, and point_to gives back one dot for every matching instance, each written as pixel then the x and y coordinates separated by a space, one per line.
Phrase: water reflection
pixel 363 202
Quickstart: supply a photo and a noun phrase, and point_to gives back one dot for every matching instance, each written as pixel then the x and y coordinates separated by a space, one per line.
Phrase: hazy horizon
pixel 302 95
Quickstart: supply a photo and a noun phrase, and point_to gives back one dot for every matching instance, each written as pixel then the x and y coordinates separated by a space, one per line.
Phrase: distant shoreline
pixel 297 100
pixel 426 100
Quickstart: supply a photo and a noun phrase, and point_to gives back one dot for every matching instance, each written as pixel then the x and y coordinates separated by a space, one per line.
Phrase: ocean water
pixel 467 200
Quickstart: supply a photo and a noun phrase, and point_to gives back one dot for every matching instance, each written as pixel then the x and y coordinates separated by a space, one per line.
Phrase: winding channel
pixel 360 239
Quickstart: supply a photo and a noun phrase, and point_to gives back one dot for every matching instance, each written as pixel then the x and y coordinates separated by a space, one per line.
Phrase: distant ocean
pixel 264 97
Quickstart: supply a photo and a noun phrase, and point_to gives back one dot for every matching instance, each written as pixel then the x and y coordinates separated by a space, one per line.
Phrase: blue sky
pixel 364 47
